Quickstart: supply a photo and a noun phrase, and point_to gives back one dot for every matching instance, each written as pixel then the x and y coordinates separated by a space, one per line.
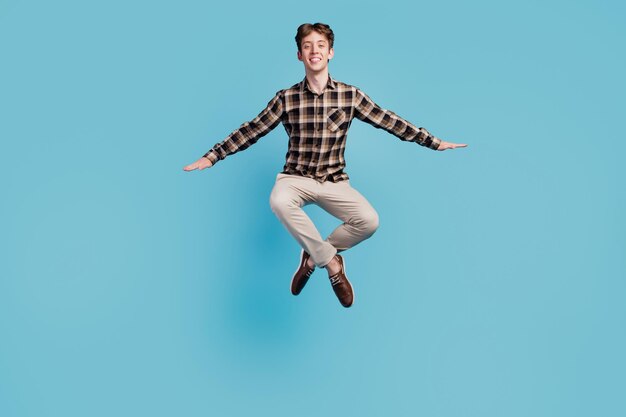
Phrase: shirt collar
pixel 330 84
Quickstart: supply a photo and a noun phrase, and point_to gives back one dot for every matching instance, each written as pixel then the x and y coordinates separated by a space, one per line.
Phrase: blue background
pixel 493 287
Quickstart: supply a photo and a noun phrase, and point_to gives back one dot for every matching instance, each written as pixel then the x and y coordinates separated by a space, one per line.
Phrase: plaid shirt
pixel 317 126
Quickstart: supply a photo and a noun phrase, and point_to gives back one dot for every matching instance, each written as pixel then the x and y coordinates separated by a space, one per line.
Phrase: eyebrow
pixel 321 40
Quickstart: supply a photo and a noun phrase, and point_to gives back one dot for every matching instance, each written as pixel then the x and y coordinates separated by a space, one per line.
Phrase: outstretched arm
pixel 246 135
pixel 370 112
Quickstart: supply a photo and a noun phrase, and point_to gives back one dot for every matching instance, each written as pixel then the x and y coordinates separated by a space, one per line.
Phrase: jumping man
pixel 316 114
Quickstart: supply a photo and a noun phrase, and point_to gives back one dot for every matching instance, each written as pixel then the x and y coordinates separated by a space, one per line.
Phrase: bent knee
pixel 280 200
pixel 369 222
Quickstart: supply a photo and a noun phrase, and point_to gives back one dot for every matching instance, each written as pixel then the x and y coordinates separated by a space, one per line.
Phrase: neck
pixel 318 80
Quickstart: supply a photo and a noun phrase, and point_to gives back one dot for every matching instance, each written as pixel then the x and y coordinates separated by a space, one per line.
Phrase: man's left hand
pixel 449 145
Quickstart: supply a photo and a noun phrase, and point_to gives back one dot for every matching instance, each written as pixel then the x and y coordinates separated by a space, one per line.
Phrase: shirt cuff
pixel 435 142
pixel 211 156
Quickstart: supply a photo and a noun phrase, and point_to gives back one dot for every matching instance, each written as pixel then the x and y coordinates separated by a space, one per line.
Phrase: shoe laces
pixel 335 279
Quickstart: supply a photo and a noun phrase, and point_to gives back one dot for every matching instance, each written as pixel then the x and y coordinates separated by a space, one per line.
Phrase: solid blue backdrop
pixel 493 287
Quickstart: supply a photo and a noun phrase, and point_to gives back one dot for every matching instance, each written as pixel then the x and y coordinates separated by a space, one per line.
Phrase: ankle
pixel 333 266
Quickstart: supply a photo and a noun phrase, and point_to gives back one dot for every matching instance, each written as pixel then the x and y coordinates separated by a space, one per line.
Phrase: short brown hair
pixel 321 28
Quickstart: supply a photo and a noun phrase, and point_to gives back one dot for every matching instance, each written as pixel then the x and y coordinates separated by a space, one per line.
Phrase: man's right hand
pixel 200 164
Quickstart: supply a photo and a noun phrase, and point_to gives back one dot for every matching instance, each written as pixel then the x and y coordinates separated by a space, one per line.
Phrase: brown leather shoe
pixel 302 274
pixel 342 287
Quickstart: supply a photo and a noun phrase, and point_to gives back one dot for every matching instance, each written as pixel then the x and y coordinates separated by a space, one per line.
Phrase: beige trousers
pixel 292 192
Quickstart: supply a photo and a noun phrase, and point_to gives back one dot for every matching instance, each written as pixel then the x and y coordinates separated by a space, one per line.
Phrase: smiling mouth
pixel 315 60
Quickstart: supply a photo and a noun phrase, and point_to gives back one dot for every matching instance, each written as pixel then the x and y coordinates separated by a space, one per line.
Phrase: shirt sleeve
pixel 250 132
pixel 369 112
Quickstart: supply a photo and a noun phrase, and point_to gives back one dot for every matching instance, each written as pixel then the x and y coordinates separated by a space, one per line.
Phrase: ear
pixel 299 56
pixel 331 53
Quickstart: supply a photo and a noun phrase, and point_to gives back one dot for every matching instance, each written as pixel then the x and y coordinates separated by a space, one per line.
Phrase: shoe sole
pixel 295 272
pixel 345 273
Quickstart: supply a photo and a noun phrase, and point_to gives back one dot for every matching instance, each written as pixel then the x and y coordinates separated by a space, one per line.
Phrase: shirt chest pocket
pixel 335 118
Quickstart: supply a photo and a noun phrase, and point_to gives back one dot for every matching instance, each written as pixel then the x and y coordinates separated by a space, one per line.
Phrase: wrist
pixel 437 144
pixel 211 156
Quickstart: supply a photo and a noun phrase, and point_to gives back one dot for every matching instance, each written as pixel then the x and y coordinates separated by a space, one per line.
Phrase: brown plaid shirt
pixel 317 126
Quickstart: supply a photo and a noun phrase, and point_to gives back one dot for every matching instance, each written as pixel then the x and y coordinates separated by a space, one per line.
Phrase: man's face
pixel 315 52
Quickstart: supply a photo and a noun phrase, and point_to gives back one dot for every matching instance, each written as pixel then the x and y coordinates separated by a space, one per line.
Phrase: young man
pixel 316 114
